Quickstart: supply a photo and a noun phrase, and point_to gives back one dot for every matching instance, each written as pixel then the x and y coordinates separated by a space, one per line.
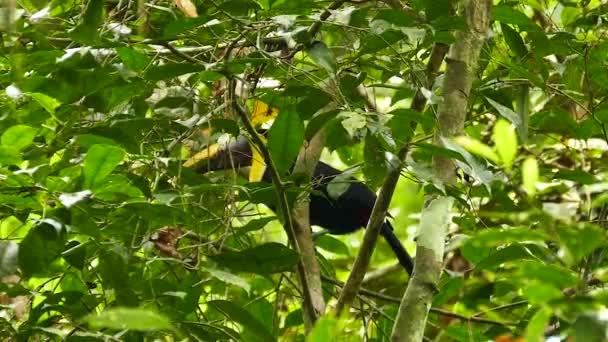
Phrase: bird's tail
pixel 404 258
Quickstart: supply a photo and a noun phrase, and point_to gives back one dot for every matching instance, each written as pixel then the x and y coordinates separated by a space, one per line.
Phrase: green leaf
pixel 9 156
pixel 99 162
pixel 514 41
pixel 326 329
pixel 133 59
pixel 503 255
pixel 285 138
pixel 264 259
pixel 505 112
pixel 229 278
pixel 529 174
pixel 75 254
pixel 396 17
pixel 18 136
pixel 509 15
pixel 121 318
pixel 40 247
pixel 323 56
pixel 241 316
pixel 535 331
pixel 549 274
pixel 172 70
pixel 506 142
pixel 497 237
pixel 87 30
pixel 353 122
pixel 477 147
pixel 589 327
pixel 9 252
pixel 340 184
pixel 331 244
pixel 523 111
pixel 157 214
pixel 255 225
pixel 48 103
pixel 580 242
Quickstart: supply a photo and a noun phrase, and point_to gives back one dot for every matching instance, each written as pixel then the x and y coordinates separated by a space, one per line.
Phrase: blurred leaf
pixel 529 174
pixel 326 329
pixel 589 328
pixel 133 59
pixel 229 278
pixel 285 138
pixel 507 254
pixel 263 259
pixel 580 242
pixel 514 41
pixel 506 142
pixel 523 111
pixel 99 162
pixel 497 237
pixel 508 14
pixel 8 258
pixel 9 156
pixel 172 70
pixel 42 245
pixel 18 137
pixel 241 316
pixel 138 319
pixel 331 244
pixel 75 254
pixel 322 55
pixel 87 30
pixel 48 103
pixel 255 225
pixel 477 147
pixel 535 331
pixel 505 112
pixel 547 273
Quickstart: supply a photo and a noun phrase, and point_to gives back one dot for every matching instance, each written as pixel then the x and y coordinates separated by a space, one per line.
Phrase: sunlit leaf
pixel 18 136
pixel 506 142
pixel 529 174
pixel 138 319
pixel 535 331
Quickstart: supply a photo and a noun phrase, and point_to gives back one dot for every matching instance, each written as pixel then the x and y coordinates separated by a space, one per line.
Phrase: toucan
pixel 345 214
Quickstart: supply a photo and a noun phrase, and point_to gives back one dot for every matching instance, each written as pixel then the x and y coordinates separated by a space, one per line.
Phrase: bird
pixel 338 212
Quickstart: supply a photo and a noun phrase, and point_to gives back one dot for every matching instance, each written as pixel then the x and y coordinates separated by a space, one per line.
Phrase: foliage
pixel 105 235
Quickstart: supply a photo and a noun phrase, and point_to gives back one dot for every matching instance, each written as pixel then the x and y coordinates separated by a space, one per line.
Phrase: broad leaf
pixel 323 56
pixel 99 162
pixel 285 138
pixel 264 259
pixel 18 136
pixel 138 319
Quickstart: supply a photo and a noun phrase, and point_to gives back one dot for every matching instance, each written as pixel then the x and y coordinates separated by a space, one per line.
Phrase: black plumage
pixel 342 215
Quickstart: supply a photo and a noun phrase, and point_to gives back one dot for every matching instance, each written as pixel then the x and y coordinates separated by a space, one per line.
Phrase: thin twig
pixel 282 203
pixel 442 312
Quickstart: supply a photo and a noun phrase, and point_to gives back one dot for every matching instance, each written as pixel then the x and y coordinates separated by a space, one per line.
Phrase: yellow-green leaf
pixel 505 139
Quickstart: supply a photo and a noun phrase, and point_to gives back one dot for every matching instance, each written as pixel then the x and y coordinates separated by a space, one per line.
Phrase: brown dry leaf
pixel 165 239
pixel 187 7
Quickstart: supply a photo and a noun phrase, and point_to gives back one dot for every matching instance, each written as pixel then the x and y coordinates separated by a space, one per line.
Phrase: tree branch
pixel 282 203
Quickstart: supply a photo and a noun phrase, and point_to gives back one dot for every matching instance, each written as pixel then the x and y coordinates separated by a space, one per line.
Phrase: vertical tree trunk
pixel 460 73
